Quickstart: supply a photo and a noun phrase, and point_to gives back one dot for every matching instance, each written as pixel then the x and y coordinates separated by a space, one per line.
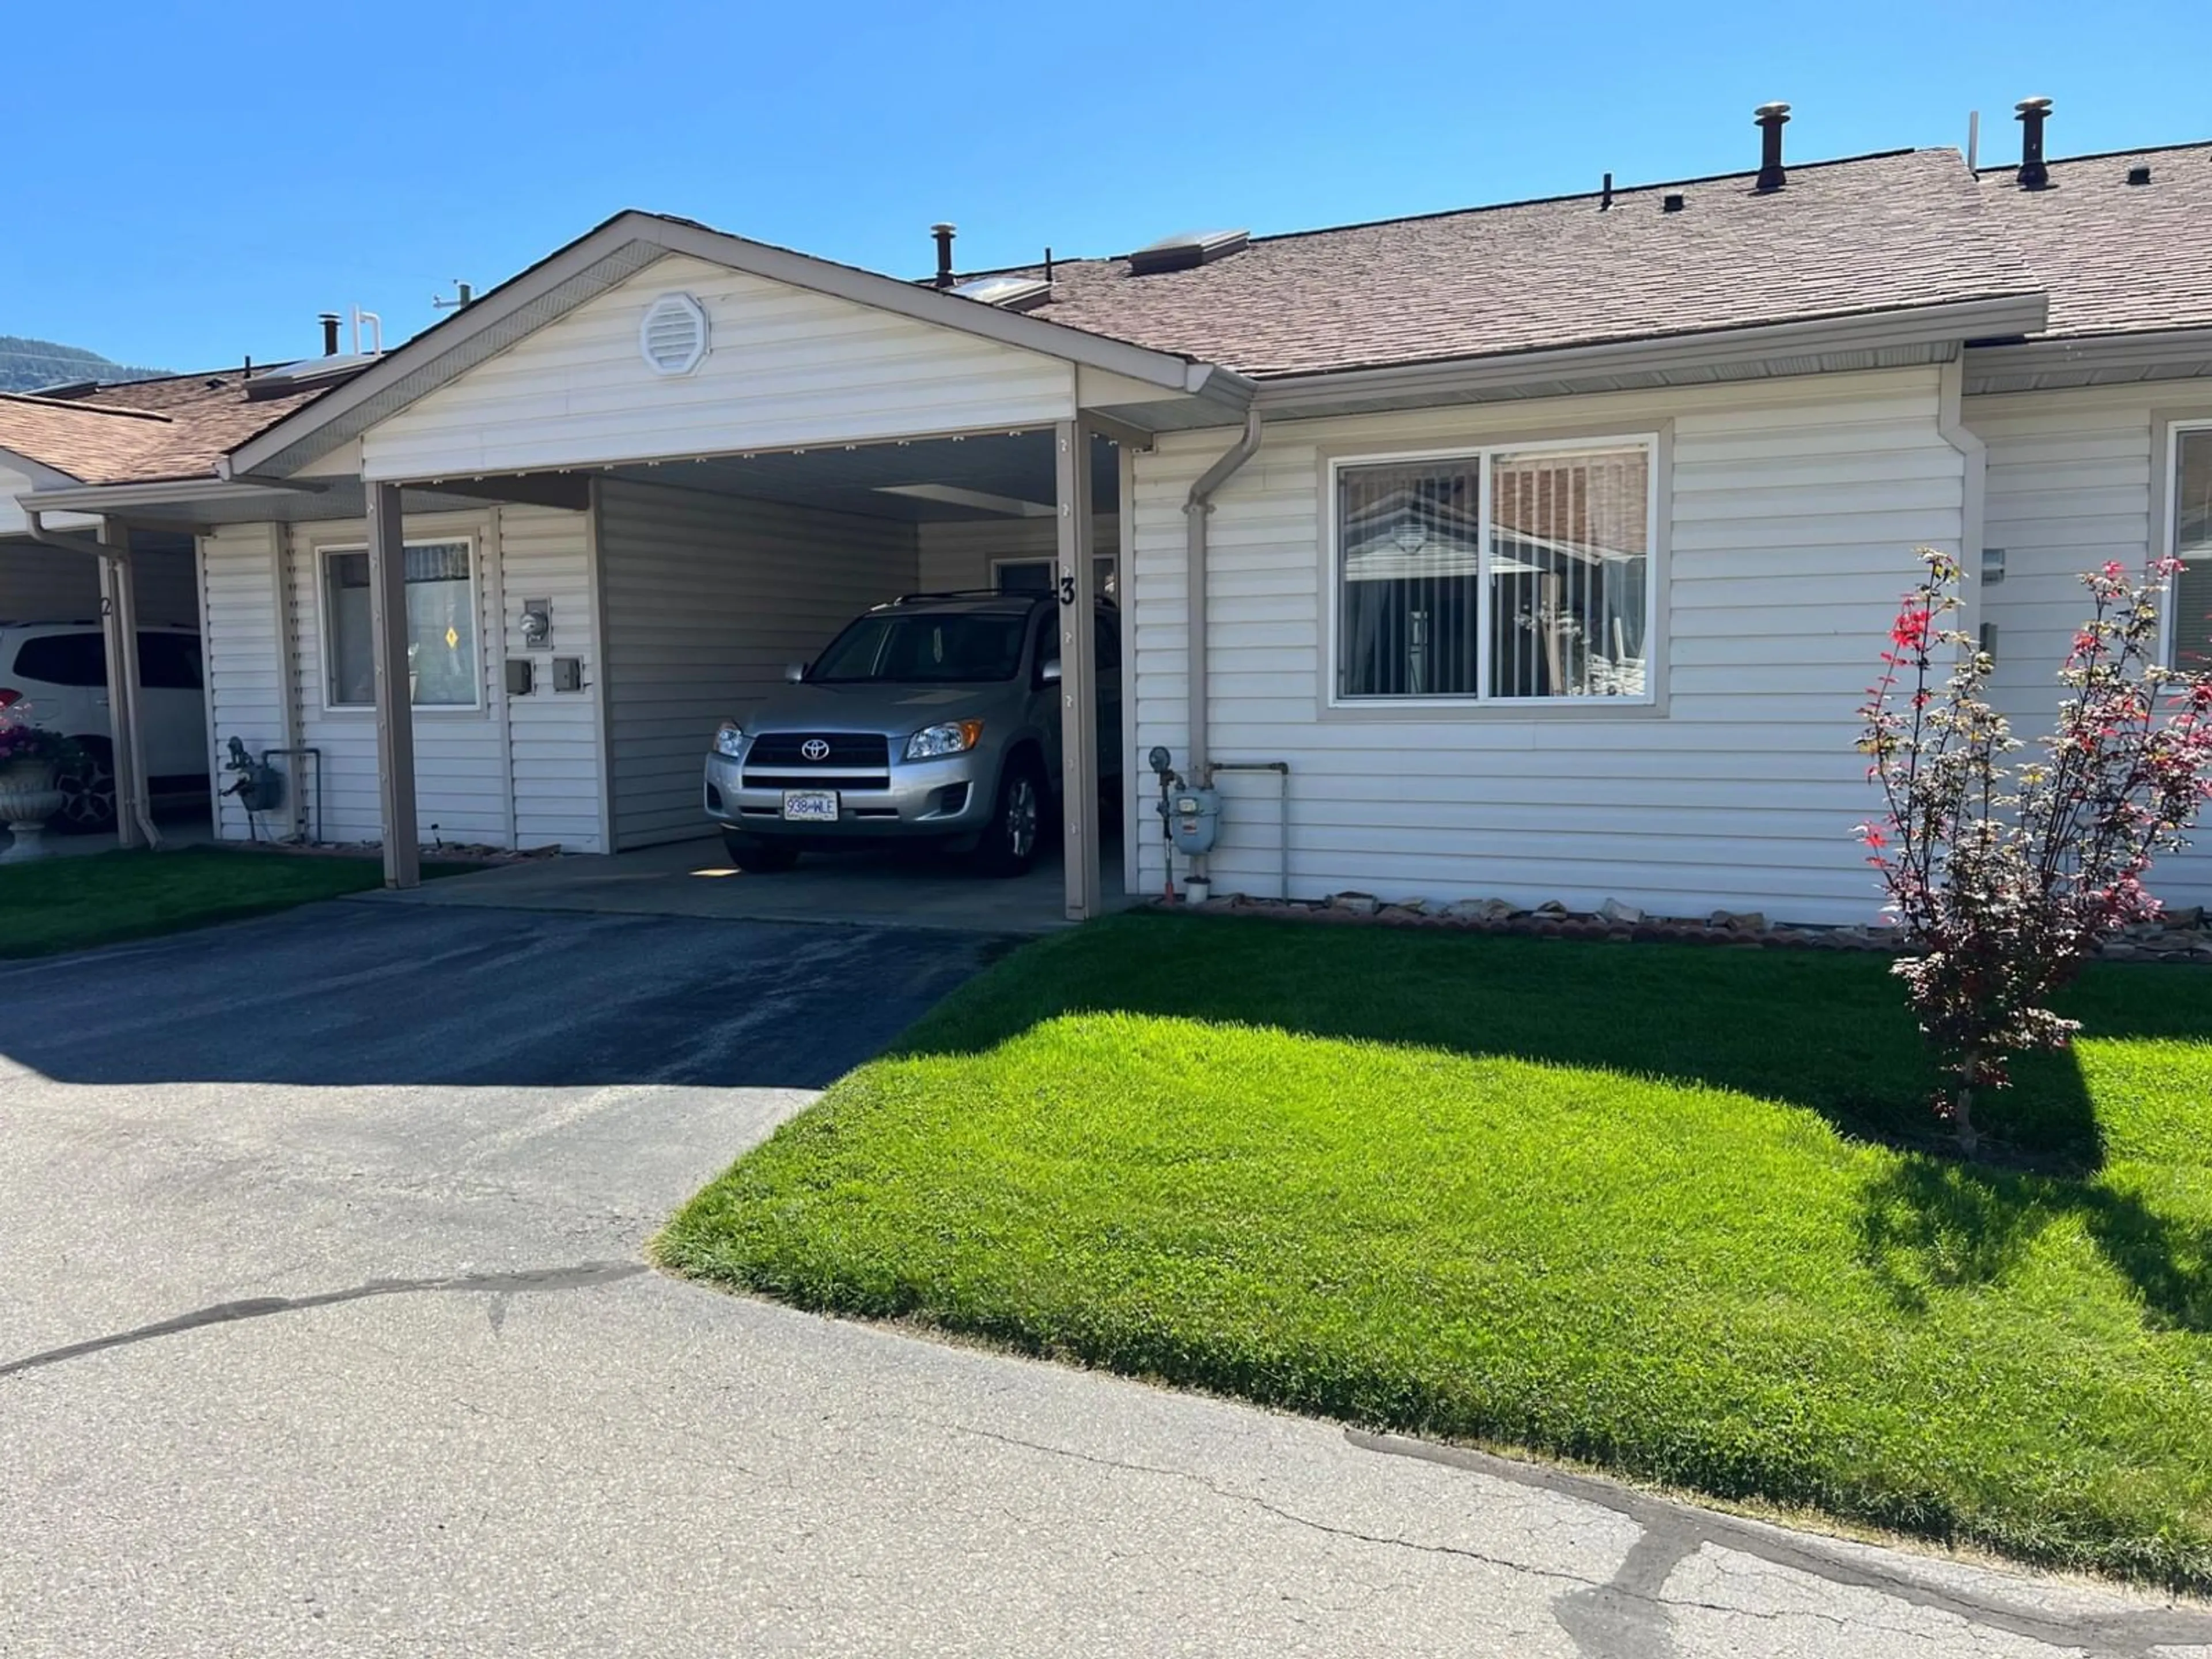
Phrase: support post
pixel 119 620
pixel 395 704
pixel 1079 671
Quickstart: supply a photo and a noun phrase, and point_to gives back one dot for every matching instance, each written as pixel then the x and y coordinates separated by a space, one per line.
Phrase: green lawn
pixel 1640 1205
pixel 69 903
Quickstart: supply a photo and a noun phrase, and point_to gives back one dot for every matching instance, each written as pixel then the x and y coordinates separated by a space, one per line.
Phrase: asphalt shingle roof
pixel 1872 234
pixel 2116 258
pixel 202 416
pixel 86 443
pixel 1876 233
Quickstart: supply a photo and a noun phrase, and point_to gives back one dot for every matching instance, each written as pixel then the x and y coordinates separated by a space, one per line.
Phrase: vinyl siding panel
pixel 2075 477
pixel 785 367
pixel 1789 512
pixel 46 584
pixel 707 597
pixel 512 772
pixel 246 651
pixel 960 554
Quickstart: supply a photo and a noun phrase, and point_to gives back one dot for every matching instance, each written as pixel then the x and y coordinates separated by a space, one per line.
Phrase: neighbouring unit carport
pixel 87 568
pixel 691 459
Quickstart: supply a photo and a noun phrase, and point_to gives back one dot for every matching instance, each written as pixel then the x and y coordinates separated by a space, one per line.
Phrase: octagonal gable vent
pixel 673 336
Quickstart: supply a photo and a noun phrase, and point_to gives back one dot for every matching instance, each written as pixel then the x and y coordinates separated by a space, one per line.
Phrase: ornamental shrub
pixel 2006 876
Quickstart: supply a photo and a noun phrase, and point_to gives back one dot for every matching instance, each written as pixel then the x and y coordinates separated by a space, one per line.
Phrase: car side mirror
pixel 1050 674
pixel 793 672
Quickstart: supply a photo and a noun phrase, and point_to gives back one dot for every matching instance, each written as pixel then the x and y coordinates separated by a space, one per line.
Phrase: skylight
pixel 1187 250
pixel 1007 293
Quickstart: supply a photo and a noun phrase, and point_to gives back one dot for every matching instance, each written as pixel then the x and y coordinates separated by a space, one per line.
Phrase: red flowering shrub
pixel 2005 877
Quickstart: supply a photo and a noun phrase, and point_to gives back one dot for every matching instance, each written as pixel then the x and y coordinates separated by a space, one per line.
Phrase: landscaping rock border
pixel 2181 936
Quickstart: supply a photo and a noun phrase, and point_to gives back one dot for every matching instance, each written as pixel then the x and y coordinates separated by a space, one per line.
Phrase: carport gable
pixel 654 339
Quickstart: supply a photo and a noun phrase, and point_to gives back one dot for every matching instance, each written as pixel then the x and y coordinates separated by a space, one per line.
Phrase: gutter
pixel 1698 358
pixel 178 492
pixel 123 711
pixel 1197 508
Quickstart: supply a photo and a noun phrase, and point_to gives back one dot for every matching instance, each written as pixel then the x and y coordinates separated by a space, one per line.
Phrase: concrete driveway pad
pixel 325 1330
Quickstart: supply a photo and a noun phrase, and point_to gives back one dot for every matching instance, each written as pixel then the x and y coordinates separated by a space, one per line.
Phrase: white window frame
pixel 1654 446
pixel 2168 529
pixel 325 551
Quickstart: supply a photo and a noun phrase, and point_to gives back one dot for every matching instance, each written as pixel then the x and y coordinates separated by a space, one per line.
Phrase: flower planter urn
pixel 27 799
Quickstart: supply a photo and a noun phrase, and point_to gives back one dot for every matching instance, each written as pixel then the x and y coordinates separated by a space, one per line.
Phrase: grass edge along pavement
pixel 50 906
pixel 1656 1209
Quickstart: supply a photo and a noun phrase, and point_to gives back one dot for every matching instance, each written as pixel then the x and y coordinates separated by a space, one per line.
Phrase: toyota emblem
pixel 815 749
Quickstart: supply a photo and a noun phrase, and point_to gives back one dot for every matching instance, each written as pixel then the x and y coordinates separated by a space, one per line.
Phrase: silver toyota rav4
pixel 935 717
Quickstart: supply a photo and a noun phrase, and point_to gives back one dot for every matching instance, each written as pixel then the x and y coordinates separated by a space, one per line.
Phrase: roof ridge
pixel 2100 155
pixel 76 407
pixel 1619 191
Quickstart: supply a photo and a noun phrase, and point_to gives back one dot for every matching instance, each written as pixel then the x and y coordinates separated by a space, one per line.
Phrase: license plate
pixel 809 805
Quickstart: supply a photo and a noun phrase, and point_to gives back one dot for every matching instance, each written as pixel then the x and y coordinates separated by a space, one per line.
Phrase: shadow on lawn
pixel 1929 1225
pixel 1826 1031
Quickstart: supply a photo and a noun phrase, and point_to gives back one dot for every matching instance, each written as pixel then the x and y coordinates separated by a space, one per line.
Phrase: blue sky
pixel 274 161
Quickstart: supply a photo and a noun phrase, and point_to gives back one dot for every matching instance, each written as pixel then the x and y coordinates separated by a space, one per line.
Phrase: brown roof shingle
pixel 86 443
pixel 204 417
pixel 2116 258
pixel 1874 234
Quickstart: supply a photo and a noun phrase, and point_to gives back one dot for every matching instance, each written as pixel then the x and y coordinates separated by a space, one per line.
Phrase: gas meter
pixel 1194 816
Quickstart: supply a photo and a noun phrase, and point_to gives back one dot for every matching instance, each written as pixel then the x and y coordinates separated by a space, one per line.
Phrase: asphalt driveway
pixel 323 1328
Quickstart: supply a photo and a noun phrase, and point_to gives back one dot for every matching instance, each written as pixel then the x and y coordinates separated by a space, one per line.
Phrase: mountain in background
pixel 26 365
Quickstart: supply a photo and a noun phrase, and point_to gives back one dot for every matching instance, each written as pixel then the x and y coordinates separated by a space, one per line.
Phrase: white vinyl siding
pixel 1789 512
pixel 784 366
pixel 513 772
pixel 965 554
pixel 553 737
pixel 2074 476
pixel 46 584
pixel 707 597
pixel 246 652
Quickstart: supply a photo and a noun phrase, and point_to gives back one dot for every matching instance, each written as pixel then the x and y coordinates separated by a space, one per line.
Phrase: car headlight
pixel 730 740
pixel 953 737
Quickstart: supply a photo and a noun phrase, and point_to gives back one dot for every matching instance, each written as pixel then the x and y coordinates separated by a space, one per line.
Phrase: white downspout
pixel 1196 509
pixel 1950 421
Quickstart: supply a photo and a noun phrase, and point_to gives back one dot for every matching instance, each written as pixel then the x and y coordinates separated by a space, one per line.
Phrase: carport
pixel 759 445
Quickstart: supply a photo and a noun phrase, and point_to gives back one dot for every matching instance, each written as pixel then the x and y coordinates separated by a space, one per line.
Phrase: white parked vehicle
pixel 57 673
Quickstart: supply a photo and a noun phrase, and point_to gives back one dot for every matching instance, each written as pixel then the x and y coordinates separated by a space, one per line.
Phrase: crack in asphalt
pixel 1674 1531
pixel 1626 1617
pixel 497 1285
pixel 1231 1495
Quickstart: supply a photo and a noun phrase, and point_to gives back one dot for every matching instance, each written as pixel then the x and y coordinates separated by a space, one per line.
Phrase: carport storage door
pixel 707 597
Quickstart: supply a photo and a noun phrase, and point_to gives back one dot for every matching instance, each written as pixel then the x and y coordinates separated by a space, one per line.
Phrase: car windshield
pixel 925 647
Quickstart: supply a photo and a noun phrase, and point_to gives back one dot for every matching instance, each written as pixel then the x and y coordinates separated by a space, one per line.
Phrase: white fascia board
pixel 126 498
pixel 2027 365
pixel 1782 347
pixel 619 249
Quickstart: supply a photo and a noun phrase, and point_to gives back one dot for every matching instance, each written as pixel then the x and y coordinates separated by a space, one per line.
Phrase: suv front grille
pixel 849 750
pixel 856 760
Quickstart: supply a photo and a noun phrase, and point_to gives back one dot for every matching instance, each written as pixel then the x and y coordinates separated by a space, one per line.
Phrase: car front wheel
pixel 87 791
pixel 1010 842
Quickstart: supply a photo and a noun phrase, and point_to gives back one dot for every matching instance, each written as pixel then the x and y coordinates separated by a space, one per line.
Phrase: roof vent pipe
pixel 943 234
pixel 2032 113
pixel 329 320
pixel 1770 118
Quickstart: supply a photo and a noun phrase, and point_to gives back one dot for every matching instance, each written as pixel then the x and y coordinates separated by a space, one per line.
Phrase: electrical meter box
pixel 1194 818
